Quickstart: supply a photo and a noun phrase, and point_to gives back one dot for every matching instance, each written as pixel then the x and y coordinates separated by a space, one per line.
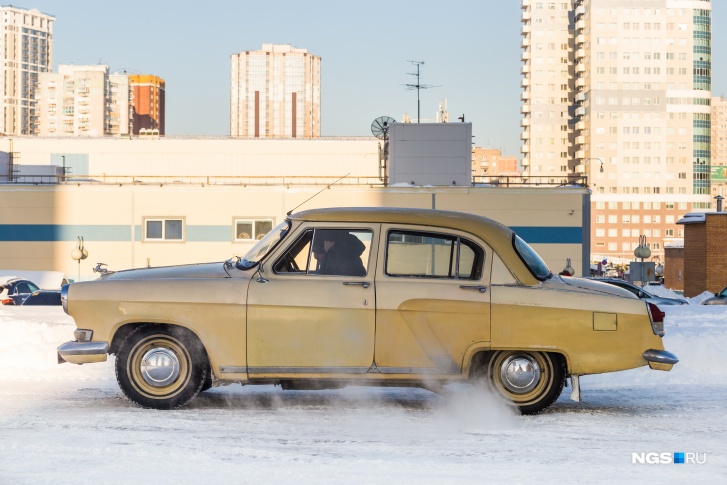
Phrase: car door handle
pixel 481 289
pixel 365 284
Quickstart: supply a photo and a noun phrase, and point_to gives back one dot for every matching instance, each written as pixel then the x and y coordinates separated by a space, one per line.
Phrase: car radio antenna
pixel 314 195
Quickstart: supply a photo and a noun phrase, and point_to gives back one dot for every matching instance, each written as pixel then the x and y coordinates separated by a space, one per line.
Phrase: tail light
pixel 7 301
pixel 657 319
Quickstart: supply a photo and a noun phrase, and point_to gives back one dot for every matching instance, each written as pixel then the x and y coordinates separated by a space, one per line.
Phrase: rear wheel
pixel 531 380
pixel 161 367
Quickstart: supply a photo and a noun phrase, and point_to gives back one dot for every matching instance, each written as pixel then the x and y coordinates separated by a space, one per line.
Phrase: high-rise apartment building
pixel 148 95
pixel 275 93
pixel 636 110
pixel 82 101
pixel 719 146
pixel 547 89
pixel 26 51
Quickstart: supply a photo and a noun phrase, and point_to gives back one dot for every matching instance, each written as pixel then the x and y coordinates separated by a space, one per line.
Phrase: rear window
pixel 532 260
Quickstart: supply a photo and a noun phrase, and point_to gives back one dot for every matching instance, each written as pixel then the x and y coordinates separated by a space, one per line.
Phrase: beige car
pixel 383 297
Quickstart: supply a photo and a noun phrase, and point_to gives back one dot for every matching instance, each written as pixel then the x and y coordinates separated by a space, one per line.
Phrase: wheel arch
pixel 481 358
pixel 127 328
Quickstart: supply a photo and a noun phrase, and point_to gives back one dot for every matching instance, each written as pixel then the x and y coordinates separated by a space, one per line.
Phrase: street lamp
pixel 587 165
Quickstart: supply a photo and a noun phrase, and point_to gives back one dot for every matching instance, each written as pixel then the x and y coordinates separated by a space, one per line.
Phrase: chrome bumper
pixel 83 352
pixel 660 359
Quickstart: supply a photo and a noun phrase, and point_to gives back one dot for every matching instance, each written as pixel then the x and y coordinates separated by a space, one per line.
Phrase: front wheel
pixel 531 380
pixel 161 367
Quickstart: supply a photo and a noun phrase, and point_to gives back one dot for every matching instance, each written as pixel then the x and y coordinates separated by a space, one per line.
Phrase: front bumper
pixel 660 359
pixel 83 352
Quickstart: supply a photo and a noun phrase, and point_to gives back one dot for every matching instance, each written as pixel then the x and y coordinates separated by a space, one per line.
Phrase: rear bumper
pixel 83 352
pixel 660 359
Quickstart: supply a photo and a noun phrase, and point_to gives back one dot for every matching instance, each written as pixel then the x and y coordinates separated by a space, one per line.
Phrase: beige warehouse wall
pixel 182 157
pixel 40 224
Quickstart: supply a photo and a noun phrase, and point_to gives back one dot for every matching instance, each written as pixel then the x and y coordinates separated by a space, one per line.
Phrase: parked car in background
pixel 43 297
pixel 718 298
pixel 14 290
pixel 640 293
pixel 363 296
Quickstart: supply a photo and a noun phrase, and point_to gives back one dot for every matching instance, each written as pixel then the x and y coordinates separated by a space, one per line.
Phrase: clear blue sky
pixel 471 49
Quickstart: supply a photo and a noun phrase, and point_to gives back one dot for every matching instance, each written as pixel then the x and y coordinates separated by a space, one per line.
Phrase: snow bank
pixel 28 347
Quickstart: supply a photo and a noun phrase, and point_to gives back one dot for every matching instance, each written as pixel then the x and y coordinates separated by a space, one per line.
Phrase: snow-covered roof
pixel 692 218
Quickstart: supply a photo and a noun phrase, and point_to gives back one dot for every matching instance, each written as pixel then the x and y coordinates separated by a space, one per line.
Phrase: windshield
pixel 532 260
pixel 264 246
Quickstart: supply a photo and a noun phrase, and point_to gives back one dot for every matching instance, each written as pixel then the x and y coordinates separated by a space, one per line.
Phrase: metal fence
pixel 295 180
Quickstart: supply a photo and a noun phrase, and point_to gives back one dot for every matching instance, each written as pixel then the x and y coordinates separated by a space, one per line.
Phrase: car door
pixel 305 317
pixel 432 300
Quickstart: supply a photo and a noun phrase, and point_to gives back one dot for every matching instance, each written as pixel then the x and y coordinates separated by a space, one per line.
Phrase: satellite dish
pixel 380 127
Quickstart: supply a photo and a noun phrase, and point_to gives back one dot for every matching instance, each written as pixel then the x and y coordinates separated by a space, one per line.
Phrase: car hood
pixel 589 286
pixel 187 271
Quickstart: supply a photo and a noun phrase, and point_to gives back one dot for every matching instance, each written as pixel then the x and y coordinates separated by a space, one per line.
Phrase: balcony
pixel 580 154
pixel 526 29
pixel 580 82
pixel 525 43
pixel 580 25
pixel 525 161
pixel 525 69
pixel 526 16
pixel 581 125
pixel 525 121
pixel 525 135
pixel 580 67
pixel 580 111
pixel 525 4
pixel 525 82
pixel 580 97
pixel 580 140
pixel 525 149
pixel 580 53
pixel 525 95
pixel 525 109
pixel 525 56
pixel 580 39
pixel 580 10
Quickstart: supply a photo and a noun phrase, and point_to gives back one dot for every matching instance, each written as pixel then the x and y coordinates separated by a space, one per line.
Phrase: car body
pixel 718 298
pixel 642 294
pixel 443 297
pixel 43 298
pixel 14 290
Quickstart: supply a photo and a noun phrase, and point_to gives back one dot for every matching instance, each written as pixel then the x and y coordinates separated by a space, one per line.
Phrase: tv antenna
pixel 418 86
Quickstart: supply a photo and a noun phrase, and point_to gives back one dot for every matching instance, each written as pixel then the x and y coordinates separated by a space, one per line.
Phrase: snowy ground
pixel 71 424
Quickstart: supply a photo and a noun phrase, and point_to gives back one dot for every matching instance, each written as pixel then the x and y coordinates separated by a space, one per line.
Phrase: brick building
pixel 705 255
pixel 674 265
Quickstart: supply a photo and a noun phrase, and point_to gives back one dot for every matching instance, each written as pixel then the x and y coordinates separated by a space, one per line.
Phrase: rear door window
pixel 431 255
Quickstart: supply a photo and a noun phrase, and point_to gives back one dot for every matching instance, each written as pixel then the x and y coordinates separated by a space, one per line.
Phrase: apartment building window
pixel 163 229
pixel 252 229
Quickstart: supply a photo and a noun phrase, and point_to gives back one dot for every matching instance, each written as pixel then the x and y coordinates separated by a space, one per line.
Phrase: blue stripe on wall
pixel 57 232
pixel 209 233
pixel 550 235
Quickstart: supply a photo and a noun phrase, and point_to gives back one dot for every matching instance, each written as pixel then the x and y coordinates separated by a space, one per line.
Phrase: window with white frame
pixel 252 229
pixel 163 229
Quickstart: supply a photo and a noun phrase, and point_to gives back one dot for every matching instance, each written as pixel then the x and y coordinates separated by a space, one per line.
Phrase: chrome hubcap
pixel 520 373
pixel 159 367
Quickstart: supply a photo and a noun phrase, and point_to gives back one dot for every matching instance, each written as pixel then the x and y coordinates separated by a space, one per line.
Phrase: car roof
pixel 497 235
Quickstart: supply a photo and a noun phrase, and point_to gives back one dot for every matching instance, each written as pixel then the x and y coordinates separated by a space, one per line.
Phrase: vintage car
pixel 359 296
